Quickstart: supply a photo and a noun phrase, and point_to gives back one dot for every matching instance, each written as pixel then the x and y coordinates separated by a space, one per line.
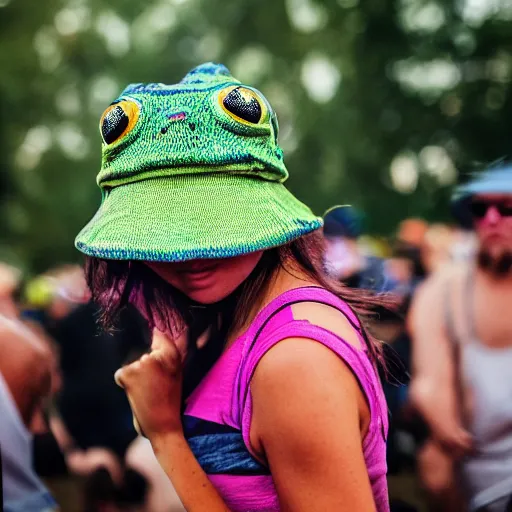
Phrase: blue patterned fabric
pixel 220 449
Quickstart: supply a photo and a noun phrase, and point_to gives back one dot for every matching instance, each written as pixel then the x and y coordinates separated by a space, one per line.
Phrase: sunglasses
pixel 479 209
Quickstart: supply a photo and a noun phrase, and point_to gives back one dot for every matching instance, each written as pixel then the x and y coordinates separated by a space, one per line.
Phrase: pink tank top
pixel 218 413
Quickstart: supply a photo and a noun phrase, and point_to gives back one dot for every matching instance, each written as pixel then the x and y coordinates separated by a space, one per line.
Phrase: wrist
pixel 167 442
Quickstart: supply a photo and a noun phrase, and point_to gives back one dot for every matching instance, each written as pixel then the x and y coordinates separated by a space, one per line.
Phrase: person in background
pixel 406 265
pixel 411 232
pixel 10 278
pixel 461 329
pixel 88 430
pixel 344 257
pixel 406 268
pixel 25 382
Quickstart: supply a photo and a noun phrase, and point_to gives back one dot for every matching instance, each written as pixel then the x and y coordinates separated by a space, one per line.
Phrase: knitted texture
pixel 192 170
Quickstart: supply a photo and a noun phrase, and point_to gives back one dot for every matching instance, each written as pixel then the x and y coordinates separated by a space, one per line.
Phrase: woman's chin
pixel 208 296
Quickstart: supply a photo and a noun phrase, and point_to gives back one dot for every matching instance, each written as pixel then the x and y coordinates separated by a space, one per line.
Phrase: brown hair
pixel 115 284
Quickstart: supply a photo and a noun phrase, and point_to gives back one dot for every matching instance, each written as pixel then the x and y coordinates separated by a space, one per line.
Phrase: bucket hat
pixel 190 171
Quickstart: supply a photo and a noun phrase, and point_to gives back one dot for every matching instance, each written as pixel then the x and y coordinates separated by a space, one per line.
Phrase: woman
pixel 282 407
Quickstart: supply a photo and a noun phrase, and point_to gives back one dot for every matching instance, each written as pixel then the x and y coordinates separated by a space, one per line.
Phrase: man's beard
pixel 497 265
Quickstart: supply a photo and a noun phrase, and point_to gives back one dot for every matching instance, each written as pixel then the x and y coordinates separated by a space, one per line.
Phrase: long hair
pixel 115 284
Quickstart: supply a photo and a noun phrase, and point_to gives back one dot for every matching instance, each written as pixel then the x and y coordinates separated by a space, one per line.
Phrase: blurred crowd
pixel 65 420
pixel 63 417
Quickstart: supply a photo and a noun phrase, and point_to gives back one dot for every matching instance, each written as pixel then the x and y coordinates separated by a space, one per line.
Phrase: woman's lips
pixel 198 268
pixel 198 275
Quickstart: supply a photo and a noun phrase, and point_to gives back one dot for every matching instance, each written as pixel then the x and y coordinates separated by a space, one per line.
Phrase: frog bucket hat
pixel 192 170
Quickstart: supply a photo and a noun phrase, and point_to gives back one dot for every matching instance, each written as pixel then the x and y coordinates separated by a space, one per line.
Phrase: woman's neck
pixel 287 277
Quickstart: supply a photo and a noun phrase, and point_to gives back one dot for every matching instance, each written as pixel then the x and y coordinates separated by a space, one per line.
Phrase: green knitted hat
pixel 192 170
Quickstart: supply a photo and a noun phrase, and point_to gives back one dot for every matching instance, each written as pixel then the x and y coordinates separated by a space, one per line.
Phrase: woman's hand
pixel 153 386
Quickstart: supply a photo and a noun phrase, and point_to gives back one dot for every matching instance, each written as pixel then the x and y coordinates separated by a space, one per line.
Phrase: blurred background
pixel 382 104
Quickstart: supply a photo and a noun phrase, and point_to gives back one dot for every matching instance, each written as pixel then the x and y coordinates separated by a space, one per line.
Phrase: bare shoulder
pixel 300 378
pixel 328 318
pixel 20 346
pixel 307 422
pixel 299 360
pixel 431 294
pixel 449 273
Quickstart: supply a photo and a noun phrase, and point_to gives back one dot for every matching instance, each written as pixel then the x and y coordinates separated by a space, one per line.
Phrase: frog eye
pixel 243 105
pixel 118 120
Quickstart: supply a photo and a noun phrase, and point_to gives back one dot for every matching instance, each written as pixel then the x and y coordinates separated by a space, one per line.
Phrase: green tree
pixel 381 104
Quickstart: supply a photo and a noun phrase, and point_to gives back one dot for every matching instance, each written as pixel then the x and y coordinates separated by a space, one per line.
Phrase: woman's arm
pixel 309 414
pixel 153 386
pixel 25 366
pixel 188 478
pixel 309 418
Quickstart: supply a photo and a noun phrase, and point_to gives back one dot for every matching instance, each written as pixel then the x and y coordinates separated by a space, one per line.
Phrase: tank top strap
pixel 296 296
pixel 263 339
pixel 468 296
pixel 456 345
pixel 449 316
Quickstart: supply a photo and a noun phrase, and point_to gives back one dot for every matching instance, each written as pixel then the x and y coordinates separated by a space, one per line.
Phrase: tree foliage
pixel 381 103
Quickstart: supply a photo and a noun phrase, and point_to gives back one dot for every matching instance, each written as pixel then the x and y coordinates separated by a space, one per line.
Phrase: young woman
pixel 274 402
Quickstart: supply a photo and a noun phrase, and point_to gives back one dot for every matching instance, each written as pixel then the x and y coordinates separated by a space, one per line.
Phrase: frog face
pixel 208 122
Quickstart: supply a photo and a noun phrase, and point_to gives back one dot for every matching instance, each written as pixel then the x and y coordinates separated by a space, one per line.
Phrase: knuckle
pixel 124 375
pixel 168 361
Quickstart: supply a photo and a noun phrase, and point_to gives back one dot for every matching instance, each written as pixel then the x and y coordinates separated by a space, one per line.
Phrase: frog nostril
pixel 163 130
pixel 176 116
pixel 192 126
pixel 113 125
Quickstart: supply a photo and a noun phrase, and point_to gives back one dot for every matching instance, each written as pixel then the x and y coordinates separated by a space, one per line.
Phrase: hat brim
pixel 194 217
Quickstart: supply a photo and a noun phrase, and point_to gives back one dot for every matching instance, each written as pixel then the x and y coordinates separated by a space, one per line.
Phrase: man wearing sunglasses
pixel 461 326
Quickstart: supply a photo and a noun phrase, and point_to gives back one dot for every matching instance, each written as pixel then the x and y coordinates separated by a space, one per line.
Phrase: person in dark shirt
pixel 88 429
pixel 345 260
pixel 88 425
pixel 93 408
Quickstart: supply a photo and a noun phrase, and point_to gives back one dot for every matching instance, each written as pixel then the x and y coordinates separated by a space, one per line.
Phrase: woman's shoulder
pixel 303 378
pixel 313 326
pixel 331 319
pixel 308 313
pixel 318 354
pixel 300 360
pixel 312 302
